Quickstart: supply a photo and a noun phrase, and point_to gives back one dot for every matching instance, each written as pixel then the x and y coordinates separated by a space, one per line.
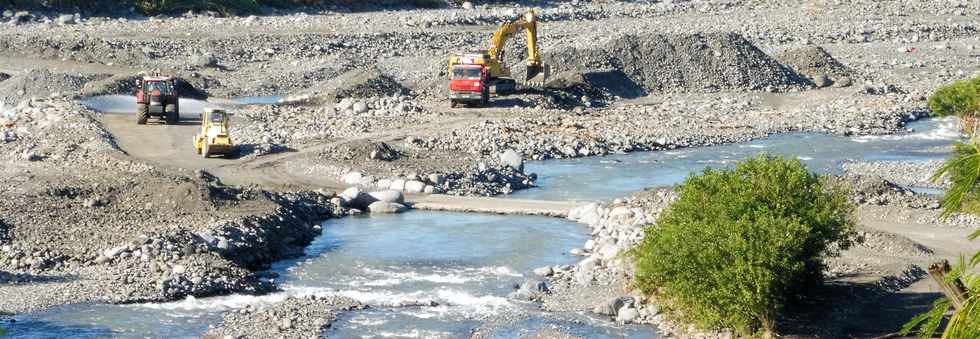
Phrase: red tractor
pixel 157 97
pixel 469 84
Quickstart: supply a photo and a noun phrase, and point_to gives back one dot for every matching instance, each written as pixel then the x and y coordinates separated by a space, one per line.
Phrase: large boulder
pixel 388 196
pixel 384 152
pixel 531 290
pixel 627 315
pixel 383 207
pixel 414 186
pixel 612 306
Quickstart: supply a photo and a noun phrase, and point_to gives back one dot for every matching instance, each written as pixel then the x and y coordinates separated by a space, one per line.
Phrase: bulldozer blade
pixel 537 75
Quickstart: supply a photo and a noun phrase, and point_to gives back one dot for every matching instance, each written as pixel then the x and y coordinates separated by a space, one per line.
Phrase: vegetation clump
pixel 963 170
pixel 740 243
pixel 960 98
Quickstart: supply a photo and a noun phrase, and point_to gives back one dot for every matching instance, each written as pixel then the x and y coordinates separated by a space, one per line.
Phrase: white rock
pixel 397 184
pixel 513 159
pixel 386 207
pixel 626 315
pixel 545 271
pixel 389 196
pixel 353 178
pixel 350 194
pixel 360 107
pixel 414 186
pixel 179 269
pixel 589 245
pixel 66 19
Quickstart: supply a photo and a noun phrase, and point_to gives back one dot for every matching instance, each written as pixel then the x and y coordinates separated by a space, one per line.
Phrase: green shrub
pixel 960 98
pixel 740 243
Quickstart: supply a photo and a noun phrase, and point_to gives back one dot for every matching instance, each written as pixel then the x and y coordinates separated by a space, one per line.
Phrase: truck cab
pixel 469 84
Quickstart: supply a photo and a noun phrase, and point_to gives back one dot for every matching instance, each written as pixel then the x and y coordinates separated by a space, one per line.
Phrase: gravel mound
pixel 361 83
pixel 891 244
pixel 680 62
pixel 814 62
pixel 40 83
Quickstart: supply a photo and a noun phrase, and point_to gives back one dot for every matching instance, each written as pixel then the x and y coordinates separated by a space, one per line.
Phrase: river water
pixel 614 176
pixel 466 264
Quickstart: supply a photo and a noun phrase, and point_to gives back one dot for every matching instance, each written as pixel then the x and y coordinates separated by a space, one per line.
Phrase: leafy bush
pixel 740 243
pixel 961 98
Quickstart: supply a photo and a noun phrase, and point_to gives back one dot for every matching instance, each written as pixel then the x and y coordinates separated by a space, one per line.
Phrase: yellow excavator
pixel 473 76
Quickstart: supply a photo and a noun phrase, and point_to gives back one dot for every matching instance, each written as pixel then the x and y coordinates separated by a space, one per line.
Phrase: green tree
pixel 963 170
pixel 738 244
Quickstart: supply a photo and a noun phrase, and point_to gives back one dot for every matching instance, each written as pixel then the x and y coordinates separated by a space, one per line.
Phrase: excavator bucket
pixel 537 75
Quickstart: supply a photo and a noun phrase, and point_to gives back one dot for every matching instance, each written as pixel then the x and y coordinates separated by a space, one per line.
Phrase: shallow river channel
pixel 466 264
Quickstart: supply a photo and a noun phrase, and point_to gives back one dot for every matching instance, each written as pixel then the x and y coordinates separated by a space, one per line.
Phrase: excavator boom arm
pixel 529 24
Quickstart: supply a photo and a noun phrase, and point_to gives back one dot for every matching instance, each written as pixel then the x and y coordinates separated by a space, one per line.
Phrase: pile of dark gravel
pixel 678 62
pixel 815 63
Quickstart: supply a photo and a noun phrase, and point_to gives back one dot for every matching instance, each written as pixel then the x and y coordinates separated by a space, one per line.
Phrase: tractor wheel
pixel 205 151
pixel 171 114
pixel 142 113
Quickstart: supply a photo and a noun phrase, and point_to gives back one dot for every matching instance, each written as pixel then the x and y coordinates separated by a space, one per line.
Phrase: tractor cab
pixel 157 97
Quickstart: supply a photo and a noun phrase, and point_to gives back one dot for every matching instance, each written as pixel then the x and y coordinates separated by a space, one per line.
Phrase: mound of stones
pixel 675 62
pixel 360 83
pixel 40 83
pixel 817 64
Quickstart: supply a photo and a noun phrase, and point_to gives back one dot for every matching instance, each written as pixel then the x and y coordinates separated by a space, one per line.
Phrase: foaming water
pixel 618 175
pixel 429 274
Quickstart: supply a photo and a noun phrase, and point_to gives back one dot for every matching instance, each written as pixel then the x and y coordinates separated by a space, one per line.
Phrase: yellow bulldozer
pixel 473 76
pixel 214 137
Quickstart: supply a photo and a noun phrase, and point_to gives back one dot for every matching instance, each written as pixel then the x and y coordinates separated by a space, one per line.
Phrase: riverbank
pixel 899 233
